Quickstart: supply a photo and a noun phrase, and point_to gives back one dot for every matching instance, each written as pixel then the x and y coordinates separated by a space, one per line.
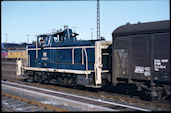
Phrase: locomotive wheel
pixel 59 81
pixel 31 79
pixel 65 81
pixel 70 82
pixel 156 96
pixel 46 81
pixel 41 81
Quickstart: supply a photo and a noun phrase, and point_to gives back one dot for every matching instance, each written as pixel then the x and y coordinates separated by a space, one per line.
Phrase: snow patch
pixel 19 109
pixel 50 102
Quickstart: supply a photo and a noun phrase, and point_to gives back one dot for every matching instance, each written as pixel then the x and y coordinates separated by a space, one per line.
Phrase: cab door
pixel 44 52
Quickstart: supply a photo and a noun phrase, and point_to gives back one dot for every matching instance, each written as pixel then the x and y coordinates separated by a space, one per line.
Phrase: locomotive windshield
pixel 56 39
pixel 44 40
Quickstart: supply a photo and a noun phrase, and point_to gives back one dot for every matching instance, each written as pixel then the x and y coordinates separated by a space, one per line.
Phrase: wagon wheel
pixel 158 96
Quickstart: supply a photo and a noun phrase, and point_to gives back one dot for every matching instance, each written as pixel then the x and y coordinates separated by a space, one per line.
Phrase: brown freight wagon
pixel 141 56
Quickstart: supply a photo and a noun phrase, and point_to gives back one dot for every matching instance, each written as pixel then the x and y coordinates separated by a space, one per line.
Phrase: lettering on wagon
pixel 143 70
pixel 160 64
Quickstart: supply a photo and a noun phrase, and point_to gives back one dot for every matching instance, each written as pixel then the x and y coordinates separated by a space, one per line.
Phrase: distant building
pixel 15 46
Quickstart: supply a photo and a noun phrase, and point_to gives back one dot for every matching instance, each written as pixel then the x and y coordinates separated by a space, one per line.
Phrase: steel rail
pixel 111 106
pixel 50 107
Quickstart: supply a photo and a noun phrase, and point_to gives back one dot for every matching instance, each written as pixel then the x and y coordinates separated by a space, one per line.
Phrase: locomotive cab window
pixel 56 39
pixel 44 40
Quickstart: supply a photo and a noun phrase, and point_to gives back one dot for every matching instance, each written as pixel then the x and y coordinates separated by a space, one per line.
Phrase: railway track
pixel 154 106
pixel 8 68
pixel 99 104
pixel 9 63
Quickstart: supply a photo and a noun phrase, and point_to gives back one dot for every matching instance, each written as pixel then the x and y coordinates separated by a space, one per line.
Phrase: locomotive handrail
pixel 36 50
pixel 27 57
pixel 72 55
pixel 86 62
pixel 82 57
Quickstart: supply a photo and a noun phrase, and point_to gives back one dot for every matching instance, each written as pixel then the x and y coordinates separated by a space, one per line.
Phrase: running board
pixel 58 70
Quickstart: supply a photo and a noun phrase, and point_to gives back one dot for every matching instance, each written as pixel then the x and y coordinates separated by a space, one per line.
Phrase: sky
pixel 22 18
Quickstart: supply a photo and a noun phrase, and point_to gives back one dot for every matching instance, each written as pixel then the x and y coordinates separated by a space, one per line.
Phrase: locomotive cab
pixel 56 38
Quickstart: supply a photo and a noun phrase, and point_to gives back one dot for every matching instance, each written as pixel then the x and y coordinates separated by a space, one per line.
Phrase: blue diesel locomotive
pixel 60 58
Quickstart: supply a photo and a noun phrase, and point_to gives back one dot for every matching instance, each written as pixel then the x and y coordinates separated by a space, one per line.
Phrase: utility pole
pixel 74 28
pixel 98 20
pixel 6 41
pixel 53 30
pixel 6 37
pixel 91 33
pixel 27 38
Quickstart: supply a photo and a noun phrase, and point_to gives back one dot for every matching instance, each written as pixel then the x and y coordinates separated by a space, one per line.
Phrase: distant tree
pixel 34 42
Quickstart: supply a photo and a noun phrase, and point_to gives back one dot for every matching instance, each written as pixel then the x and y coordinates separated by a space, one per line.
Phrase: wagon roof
pixel 142 28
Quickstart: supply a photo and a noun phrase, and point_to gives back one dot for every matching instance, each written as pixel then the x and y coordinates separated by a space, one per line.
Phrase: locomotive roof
pixel 55 33
pixel 142 28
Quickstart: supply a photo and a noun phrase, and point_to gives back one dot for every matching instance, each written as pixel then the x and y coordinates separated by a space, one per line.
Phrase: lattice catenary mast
pixel 98 20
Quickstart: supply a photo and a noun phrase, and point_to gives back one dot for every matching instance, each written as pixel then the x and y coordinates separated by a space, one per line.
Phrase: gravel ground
pixel 41 99
pixel 8 70
pixel 10 105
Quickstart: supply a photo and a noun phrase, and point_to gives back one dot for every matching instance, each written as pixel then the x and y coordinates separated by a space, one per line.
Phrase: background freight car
pixel 4 53
pixel 15 54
